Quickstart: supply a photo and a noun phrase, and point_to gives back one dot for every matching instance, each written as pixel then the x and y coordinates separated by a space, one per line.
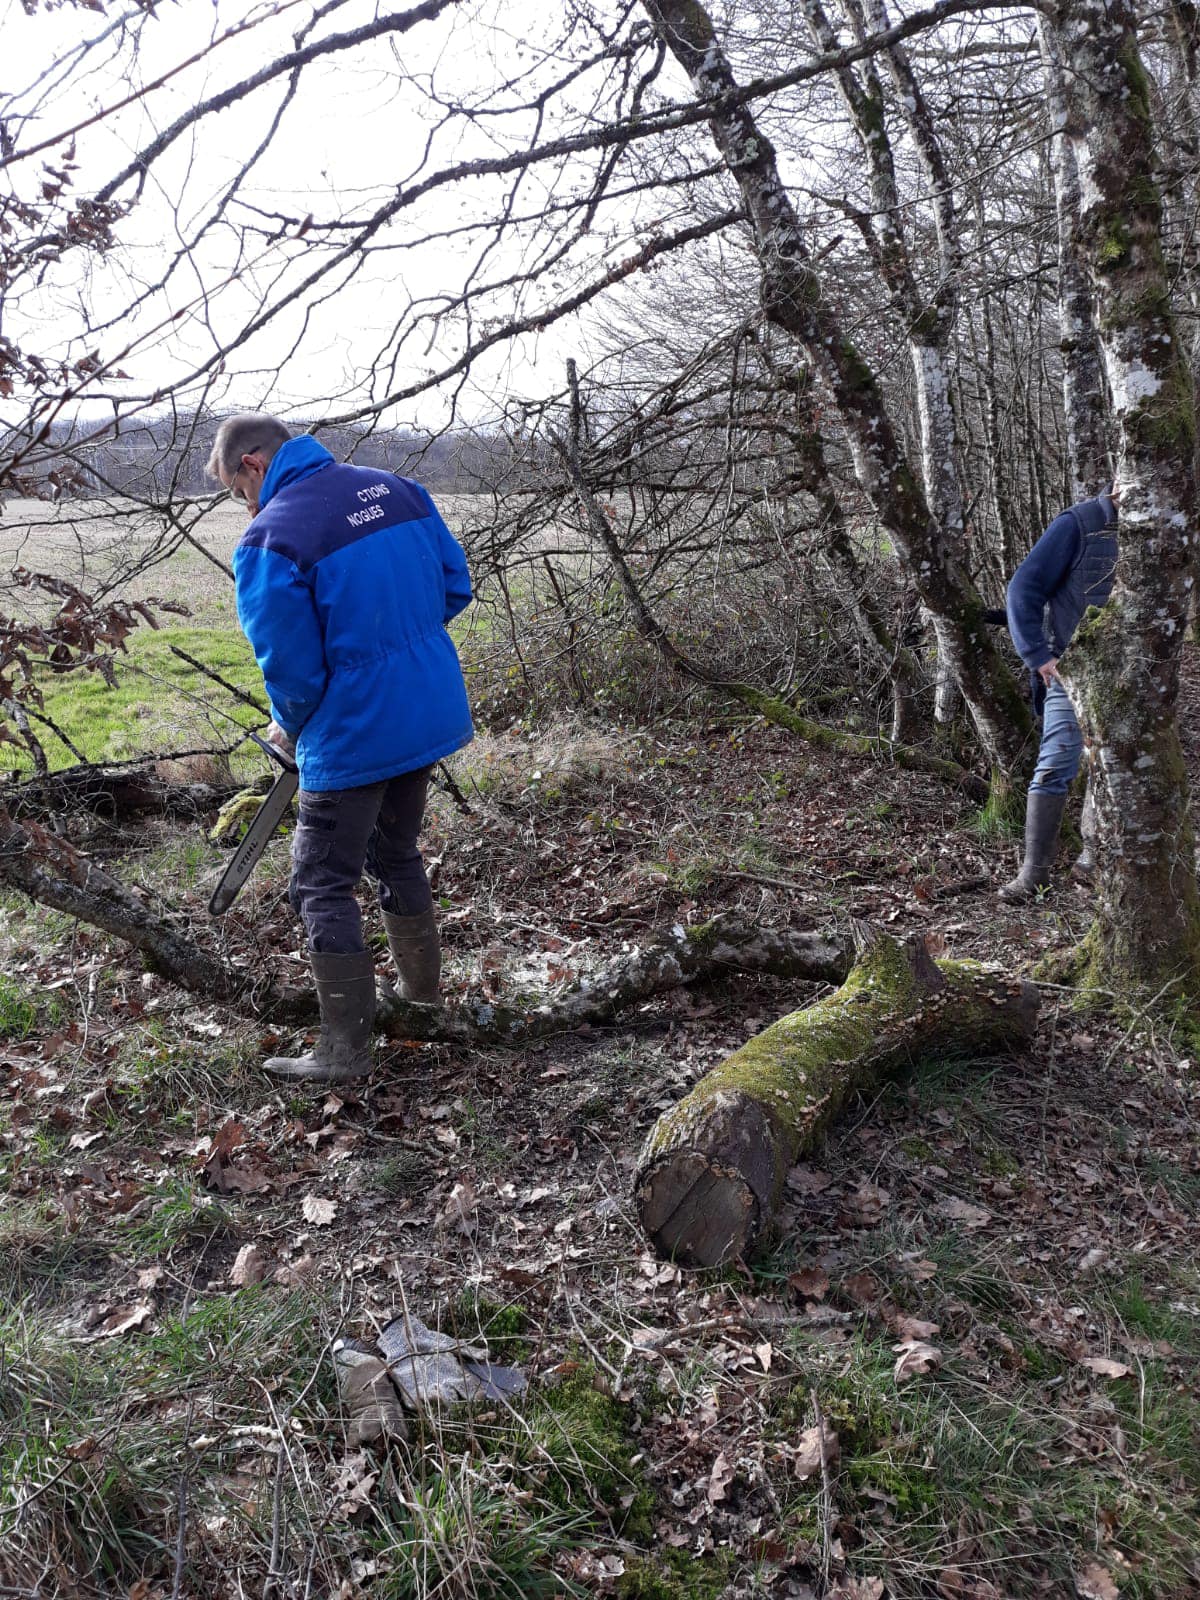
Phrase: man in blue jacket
pixel 1070 568
pixel 346 579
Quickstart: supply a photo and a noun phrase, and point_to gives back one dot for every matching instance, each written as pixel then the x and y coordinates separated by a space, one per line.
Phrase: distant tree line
pixel 160 459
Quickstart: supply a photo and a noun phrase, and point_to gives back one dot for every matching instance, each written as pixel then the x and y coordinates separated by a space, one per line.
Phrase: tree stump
pixel 711 1174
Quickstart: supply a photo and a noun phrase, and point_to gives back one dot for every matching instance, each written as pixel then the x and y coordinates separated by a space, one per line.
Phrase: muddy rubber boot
pixel 1043 819
pixel 1084 869
pixel 417 952
pixel 346 994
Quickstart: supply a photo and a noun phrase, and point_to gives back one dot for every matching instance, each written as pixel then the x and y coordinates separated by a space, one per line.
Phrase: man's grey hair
pixel 249 433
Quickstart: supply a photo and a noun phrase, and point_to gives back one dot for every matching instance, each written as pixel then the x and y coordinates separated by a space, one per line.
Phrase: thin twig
pixel 445 780
pixel 180 1536
pixel 238 694
pixel 826 1495
pixel 273 1572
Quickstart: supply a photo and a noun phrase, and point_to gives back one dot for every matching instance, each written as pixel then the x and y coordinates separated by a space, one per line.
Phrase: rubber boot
pixel 417 952
pixel 1084 870
pixel 1043 818
pixel 346 994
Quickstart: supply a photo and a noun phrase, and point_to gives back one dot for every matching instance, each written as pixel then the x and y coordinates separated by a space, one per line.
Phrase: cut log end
pixel 697 1212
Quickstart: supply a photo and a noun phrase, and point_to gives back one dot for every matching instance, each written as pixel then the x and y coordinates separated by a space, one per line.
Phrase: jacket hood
pixel 298 458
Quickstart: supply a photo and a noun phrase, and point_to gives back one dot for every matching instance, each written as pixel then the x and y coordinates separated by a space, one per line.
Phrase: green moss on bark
pixel 799 1072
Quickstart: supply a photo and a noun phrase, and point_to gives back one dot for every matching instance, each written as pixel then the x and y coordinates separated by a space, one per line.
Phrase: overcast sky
pixel 362 124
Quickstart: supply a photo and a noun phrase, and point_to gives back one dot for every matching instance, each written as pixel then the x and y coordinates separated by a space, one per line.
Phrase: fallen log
pixel 711 1174
pixel 662 961
pixel 54 873
pixel 162 787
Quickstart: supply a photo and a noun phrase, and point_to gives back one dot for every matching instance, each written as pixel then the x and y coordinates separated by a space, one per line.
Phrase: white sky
pixel 358 128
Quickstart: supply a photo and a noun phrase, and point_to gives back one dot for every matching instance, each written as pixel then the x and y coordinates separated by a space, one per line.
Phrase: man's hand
pixel 1047 672
pixel 276 736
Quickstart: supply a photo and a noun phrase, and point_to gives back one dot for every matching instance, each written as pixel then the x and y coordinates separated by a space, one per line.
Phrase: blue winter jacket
pixel 1070 568
pixel 346 579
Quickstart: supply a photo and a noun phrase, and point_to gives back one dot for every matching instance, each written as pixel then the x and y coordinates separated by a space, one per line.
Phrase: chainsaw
pixel 270 814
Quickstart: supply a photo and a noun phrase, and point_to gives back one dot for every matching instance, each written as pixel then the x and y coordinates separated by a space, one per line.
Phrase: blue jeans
pixel 343 833
pixel 1061 748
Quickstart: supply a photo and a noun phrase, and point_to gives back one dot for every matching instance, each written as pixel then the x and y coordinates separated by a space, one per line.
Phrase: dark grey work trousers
pixel 343 833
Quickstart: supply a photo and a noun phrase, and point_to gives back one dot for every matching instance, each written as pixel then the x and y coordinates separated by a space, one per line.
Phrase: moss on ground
pixel 585 1439
pixel 676 1575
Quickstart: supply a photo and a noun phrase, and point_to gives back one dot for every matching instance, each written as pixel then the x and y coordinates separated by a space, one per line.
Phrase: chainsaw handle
pixel 275 753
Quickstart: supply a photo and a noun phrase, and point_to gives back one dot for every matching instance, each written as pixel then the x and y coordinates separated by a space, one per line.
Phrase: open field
pixel 94 542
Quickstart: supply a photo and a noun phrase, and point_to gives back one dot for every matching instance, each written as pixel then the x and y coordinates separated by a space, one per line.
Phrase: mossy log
pixel 711 1174
pixel 860 744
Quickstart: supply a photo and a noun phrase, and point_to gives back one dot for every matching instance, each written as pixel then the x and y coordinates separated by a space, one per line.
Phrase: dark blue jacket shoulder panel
pixel 337 510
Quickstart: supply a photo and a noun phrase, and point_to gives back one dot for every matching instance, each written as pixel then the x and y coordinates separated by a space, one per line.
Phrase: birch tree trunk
pixel 1124 663
pixel 795 301
pixel 928 324
pixel 1085 405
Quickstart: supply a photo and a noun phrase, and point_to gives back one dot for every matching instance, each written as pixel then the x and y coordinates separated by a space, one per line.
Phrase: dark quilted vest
pixel 1090 580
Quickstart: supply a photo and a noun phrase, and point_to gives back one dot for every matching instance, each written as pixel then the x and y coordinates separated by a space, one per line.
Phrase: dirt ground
pixel 965 1368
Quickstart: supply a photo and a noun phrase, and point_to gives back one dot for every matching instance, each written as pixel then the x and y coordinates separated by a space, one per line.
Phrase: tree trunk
pixel 794 300
pixel 711 1174
pixel 929 325
pixel 1085 405
pixel 1124 662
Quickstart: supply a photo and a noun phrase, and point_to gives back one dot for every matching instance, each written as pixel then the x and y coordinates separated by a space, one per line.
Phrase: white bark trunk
pixel 1124 664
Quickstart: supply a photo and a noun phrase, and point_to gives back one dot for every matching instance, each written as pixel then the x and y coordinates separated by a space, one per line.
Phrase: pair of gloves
pixel 416 1367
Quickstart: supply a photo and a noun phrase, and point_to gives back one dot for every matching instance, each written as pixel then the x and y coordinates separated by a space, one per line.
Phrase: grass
pixel 455 1533
pixel 1009 1472
pixel 231 1409
pixel 18 1014
pixel 150 708
pixel 98 1438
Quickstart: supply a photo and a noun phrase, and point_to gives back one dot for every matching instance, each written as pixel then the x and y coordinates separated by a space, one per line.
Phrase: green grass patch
pixel 149 709
pixel 454 1533
pixel 18 1014
pixel 920 1462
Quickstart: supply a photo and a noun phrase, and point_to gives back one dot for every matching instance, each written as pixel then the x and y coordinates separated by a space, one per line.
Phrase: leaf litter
pixel 974 1235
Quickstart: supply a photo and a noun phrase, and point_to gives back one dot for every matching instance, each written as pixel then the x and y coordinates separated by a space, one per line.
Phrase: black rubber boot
pixel 417 952
pixel 346 994
pixel 1084 870
pixel 1043 819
